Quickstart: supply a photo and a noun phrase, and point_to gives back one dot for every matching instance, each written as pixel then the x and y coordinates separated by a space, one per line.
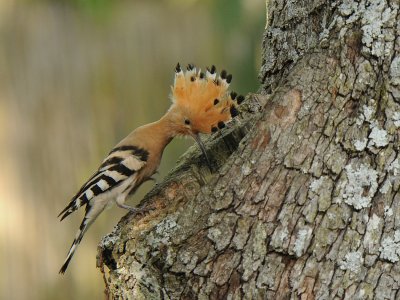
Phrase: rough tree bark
pixel 305 200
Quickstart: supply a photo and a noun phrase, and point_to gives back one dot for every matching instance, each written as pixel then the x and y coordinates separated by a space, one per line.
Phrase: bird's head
pixel 201 102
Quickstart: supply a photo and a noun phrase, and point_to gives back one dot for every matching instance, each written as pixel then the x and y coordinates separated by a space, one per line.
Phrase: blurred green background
pixel 76 76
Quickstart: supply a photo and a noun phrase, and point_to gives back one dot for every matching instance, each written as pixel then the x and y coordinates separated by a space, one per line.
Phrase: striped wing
pixel 120 164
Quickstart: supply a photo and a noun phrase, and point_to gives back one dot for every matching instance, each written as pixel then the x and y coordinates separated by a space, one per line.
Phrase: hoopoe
pixel 201 103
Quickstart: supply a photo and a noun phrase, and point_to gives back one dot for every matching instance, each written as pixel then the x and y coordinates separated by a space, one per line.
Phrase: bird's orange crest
pixel 205 98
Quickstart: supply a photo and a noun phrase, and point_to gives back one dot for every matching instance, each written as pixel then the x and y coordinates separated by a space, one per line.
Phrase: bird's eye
pixel 187 121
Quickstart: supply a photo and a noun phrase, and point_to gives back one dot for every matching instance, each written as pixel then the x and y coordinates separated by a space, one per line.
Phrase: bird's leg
pixel 135 210
pixel 132 209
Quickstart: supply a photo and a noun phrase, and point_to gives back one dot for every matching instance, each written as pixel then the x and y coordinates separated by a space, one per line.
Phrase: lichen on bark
pixel 304 198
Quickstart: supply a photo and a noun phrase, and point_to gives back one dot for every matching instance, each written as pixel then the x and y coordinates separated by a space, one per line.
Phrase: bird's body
pixel 137 157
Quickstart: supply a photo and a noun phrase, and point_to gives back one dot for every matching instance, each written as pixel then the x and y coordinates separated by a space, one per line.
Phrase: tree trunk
pixel 305 199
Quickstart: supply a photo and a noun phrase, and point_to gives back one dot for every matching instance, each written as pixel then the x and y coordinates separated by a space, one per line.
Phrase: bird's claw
pixel 137 210
pixel 134 210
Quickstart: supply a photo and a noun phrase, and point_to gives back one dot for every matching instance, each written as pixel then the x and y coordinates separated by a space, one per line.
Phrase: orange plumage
pixel 204 98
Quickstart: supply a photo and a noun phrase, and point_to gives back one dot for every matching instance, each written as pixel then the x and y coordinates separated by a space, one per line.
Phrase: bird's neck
pixel 168 126
pixel 159 133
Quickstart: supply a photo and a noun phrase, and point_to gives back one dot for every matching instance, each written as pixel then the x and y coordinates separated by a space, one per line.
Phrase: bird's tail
pixel 92 211
pixel 79 235
pixel 71 207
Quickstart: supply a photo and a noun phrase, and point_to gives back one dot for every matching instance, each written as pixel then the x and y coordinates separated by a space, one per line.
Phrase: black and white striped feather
pixel 112 182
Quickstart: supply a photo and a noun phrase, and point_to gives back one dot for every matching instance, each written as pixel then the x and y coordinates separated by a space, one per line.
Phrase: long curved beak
pixel 202 148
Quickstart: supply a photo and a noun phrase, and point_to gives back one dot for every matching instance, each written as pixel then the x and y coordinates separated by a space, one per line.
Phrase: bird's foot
pixel 134 210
